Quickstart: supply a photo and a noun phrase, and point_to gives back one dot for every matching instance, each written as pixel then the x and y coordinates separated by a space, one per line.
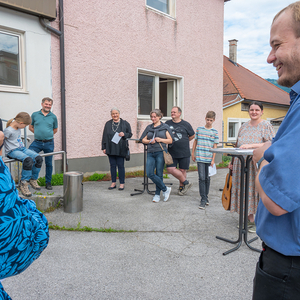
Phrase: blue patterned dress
pixel 248 134
pixel 23 230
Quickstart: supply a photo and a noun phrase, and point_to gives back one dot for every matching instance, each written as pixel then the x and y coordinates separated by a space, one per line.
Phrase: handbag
pixel 226 194
pixel 167 156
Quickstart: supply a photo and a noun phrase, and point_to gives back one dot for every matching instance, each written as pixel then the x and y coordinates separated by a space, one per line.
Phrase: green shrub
pixel 96 177
pixel 57 179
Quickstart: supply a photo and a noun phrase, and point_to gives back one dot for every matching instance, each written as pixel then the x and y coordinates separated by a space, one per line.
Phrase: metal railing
pixel 9 161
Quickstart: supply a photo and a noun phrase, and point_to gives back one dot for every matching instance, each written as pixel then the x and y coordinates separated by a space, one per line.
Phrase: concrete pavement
pixel 173 253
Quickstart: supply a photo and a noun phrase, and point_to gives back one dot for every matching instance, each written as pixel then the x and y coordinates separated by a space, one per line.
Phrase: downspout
pixel 60 34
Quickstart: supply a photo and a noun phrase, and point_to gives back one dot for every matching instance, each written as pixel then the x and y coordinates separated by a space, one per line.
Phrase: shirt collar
pixel 295 91
pixel 49 113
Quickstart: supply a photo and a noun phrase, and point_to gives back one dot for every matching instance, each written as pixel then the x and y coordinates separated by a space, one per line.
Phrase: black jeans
pixel 115 161
pixel 277 276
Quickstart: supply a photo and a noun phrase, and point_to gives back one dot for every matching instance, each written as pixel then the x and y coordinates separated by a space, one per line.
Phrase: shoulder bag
pixel 167 156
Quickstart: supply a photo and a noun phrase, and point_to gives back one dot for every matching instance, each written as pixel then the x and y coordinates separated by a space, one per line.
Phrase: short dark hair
pixel 258 103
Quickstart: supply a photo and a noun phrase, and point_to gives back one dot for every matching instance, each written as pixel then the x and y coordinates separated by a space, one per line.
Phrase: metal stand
pixel 145 183
pixel 243 216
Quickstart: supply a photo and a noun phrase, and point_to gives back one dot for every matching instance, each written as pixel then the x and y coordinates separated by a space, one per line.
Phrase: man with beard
pixel 44 126
pixel 180 149
pixel 278 179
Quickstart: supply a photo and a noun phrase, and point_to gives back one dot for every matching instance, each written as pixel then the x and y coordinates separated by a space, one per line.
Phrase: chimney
pixel 233 50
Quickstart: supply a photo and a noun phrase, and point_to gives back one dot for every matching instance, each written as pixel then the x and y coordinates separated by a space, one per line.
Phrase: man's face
pixel 285 53
pixel 46 106
pixel 175 114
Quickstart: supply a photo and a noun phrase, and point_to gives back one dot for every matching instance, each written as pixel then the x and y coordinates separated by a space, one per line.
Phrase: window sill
pixel 160 13
pixel 13 90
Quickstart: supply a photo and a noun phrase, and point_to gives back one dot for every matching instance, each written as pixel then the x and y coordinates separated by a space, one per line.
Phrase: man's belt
pixel 44 141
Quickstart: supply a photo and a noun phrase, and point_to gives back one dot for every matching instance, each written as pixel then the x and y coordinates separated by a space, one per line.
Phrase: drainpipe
pixel 60 34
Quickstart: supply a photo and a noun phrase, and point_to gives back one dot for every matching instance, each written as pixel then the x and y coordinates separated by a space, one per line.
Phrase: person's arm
pixel 31 128
pixel 252 146
pixel 270 205
pixel 193 150
pixel 259 152
pixel 168 140
pixel 191 137
pixel 54 130
pixel 214 155
pixel 127 134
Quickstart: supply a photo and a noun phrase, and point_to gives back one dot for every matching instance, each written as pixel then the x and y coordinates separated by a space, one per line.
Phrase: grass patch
pixel 57 179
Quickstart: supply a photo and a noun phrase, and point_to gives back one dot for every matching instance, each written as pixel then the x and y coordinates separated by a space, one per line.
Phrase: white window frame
pixel 172 9
pixel 21 38
pixel 178 90
pixel 239 122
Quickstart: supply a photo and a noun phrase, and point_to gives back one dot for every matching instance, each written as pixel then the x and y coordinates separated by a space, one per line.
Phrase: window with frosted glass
pixel 10 68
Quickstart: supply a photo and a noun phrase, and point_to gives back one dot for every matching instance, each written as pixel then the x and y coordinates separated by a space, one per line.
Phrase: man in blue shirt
pixel 278 179
pixel 44 126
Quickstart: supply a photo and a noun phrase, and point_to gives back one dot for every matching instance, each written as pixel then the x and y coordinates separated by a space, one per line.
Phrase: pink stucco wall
pixel 107 41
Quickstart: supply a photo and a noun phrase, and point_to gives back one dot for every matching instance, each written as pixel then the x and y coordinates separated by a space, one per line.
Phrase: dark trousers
pixel 115 161
pixel 277 276
pixel 204 180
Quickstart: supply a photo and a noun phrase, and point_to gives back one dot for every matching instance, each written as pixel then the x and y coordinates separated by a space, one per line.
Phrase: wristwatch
pixel 259 162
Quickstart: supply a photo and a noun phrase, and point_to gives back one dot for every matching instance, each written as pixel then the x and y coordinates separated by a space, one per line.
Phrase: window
pixel 157 91
pixel 164 6
pixel 232 129
pixel 11 61
pixel 234 126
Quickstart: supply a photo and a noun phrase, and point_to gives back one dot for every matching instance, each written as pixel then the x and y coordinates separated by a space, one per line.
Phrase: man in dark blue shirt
pixel 278 179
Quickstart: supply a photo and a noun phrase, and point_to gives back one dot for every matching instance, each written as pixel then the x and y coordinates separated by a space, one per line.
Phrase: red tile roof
pixel 240 84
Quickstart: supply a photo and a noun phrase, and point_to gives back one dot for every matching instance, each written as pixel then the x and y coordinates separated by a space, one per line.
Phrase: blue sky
pixel 249 22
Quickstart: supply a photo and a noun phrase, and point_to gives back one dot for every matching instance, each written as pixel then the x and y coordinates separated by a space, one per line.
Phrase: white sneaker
pixel 156 198
pixel 167 194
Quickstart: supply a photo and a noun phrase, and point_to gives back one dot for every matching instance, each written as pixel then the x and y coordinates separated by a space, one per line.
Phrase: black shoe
pixel 121 189
pixel 48 186
pixel 112 187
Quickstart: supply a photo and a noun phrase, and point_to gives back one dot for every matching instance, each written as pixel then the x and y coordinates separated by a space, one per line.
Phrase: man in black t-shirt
pixel 180 150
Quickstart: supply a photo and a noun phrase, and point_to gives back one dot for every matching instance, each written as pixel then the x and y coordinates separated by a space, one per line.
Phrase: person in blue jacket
pixel 278 179
pixel 24 230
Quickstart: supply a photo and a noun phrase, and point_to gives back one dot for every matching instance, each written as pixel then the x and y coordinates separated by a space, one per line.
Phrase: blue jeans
pixel 47 147
pixel 155 160
pixel 204 180
pixel 22 153
pixel 115 161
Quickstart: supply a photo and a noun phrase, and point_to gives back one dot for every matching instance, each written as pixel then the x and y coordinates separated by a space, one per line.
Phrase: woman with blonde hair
pixel 14 148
